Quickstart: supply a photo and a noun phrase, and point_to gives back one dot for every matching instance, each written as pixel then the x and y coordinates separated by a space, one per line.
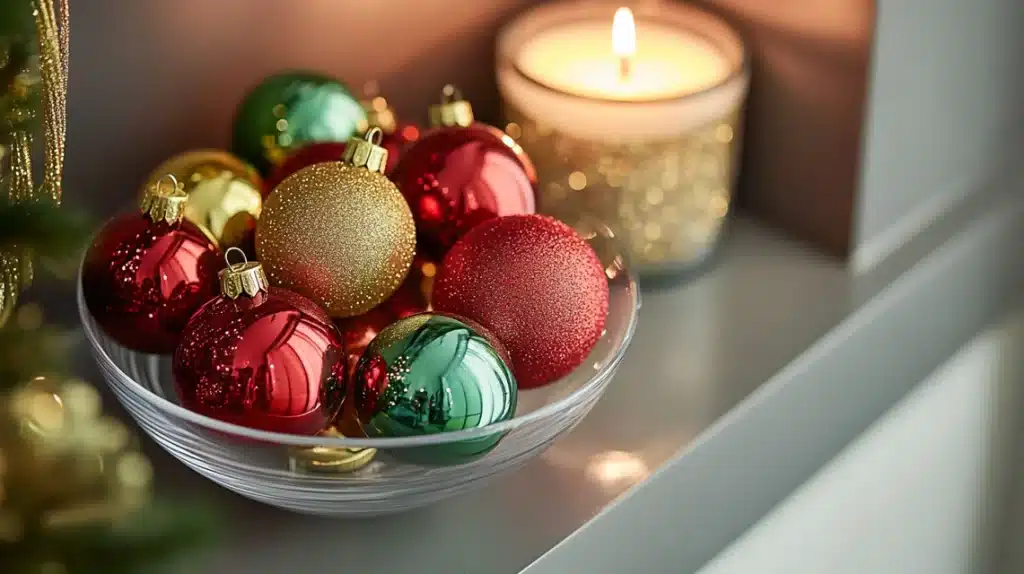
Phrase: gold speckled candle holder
pixel 659 173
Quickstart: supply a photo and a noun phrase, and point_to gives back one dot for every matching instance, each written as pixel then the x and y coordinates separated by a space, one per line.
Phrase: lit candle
pixel 630 118
pixel 623 62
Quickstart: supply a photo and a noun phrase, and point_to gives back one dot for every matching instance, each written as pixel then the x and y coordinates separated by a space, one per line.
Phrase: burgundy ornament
pixel 534 283
pixel 146 273
pixel 461 174
pixel 261 357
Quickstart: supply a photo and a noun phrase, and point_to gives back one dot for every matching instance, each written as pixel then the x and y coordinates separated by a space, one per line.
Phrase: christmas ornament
pixel 412 297
pixel 66 467
pixel 329 459
pixel 339 233
pixel 305 156
pixel 396 137
pixel 146 273
pixel 289 110
pixel 224 193
pixel 536 284
pixel 261 357
pixel 462 173
pixel 429 374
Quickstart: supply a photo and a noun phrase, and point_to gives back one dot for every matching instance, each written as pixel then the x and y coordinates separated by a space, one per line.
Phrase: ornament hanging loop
pixel 175 185
pixel 450 94
pixel 375 135
pixel 238 265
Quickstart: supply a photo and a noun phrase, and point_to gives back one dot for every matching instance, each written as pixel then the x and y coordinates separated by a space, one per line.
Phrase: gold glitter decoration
pixel 224 193
pixel 339 234
pixel 52 40
pixel 665 200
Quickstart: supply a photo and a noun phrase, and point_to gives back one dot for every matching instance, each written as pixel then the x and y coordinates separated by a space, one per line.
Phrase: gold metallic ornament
pixel 64 463
pixel 224 193
pixel 339 233
pixel 326 459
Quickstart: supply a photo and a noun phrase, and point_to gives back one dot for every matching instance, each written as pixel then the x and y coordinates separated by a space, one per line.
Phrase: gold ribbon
pixel 52 43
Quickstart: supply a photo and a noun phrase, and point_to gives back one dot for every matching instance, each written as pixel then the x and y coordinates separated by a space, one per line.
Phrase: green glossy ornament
pixel 290 109
pixel 433 373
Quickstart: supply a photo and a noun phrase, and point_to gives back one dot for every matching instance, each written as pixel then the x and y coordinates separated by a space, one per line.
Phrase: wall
pixel 944 113
pixel 151 78
pixel 915 493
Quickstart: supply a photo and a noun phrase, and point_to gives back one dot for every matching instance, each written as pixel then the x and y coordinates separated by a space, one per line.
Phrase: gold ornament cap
pixel 453 110
pixel 378 112
pixel 245 277
pixel 163 203
pixel 331 459
pixel 367 152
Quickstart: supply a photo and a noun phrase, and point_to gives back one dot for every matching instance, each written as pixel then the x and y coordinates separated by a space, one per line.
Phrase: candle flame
pixel 623 33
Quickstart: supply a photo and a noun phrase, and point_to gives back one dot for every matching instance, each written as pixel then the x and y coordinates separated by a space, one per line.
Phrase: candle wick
pixel 624 68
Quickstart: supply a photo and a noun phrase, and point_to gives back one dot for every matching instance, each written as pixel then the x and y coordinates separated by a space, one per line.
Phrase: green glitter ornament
pixel 429 374
pixel 290 109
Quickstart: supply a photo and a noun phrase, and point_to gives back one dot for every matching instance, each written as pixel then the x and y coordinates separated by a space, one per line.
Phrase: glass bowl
pixel 296 473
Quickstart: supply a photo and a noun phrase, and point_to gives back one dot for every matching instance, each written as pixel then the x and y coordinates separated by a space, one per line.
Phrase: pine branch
pixel 151 536
pixel 49 230
pixel 25 354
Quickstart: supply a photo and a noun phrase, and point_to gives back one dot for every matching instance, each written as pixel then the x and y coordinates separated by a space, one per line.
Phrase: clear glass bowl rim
pixel 179 412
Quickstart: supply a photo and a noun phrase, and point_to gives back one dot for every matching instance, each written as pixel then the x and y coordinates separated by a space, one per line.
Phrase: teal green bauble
pixel 290 109
pixel 429 374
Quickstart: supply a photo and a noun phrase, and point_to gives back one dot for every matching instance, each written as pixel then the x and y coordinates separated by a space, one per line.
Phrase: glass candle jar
pixel 636 123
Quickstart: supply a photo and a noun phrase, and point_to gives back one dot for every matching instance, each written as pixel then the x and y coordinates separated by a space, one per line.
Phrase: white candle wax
pixel 558 64
pixel 577 58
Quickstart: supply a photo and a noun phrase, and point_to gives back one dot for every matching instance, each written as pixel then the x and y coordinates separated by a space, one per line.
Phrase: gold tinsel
pixel 52 44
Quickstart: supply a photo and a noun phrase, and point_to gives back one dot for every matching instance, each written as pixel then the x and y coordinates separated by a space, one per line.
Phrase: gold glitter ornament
pixel 224 192
pixel 339 233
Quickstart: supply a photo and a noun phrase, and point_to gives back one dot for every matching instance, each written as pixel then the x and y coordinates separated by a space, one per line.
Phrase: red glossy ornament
pixel 461 174
pixel 146 273
pixel 267 358
pixel 533 282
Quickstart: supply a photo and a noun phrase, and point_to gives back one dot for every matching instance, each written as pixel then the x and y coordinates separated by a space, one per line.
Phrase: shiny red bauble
pixel 271 362
pixel 143 279
pixel 456 177
pixel 395 142
pixel 533 282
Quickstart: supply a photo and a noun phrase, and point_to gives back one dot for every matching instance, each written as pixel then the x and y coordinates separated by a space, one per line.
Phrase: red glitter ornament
pixel 146 273
pixel 533 282
pixel 261 357
pixel 462 173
